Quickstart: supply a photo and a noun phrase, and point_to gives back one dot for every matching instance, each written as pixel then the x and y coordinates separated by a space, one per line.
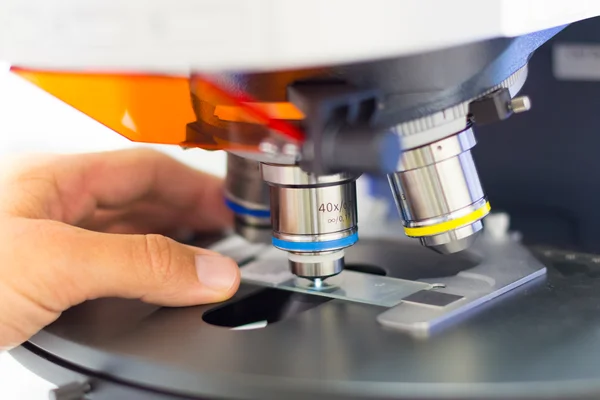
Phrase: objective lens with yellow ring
pixel 439 195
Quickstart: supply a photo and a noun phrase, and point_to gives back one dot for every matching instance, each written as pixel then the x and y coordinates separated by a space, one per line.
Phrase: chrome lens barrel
pixel 247 195
pixel 313 218
pixel 439 195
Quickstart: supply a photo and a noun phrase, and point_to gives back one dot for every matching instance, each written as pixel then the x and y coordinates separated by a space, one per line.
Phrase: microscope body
pixel 311 132
pixel 298 137
pixel 328 308
pixel 314 114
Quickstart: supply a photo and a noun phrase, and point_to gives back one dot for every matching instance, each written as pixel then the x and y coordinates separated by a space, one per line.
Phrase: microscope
pixel 429 303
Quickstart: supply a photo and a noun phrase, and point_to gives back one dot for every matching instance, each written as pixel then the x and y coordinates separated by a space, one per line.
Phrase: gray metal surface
pixel 535 342
pixel 505 265
pixel 272 271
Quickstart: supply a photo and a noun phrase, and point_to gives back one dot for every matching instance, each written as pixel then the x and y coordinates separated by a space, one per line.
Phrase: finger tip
pixel 234 270
pixel 218 274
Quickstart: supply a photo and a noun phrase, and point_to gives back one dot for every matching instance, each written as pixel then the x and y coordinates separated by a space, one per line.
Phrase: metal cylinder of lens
pixel 247 195
pixel 313 218
pixel 439 195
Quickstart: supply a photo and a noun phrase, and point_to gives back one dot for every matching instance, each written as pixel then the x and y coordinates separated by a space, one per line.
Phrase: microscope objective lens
pixel 447 216
pixel 313 218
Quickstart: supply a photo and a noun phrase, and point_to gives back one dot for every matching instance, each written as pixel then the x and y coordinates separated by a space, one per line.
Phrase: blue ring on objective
pixel 316 246
pixel 241 210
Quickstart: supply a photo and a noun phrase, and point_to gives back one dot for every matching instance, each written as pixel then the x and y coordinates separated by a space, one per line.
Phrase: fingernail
pixel 216 272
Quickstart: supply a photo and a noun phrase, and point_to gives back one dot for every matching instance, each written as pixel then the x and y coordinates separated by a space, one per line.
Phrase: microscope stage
pixel 539 340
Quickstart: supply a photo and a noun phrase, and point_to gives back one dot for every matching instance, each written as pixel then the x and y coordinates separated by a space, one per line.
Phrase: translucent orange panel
pixel 152 109
pixel 191 112
pixel 218 104
pixel 285 111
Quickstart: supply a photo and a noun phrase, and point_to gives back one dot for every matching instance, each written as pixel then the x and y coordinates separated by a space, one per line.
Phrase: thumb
pixel 152 268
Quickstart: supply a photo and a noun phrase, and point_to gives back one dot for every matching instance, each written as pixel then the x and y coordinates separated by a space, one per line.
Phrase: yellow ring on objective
pixel 449 225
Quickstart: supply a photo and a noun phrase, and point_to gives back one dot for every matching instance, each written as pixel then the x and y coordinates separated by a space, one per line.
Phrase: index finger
pixel 71 188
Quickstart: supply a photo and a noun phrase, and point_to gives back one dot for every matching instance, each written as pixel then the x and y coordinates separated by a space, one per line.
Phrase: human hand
pixel 80 227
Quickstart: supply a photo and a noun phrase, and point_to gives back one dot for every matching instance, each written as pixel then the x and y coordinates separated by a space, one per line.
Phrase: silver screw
pixel 268 147
pixel 290 149
pixel 520 104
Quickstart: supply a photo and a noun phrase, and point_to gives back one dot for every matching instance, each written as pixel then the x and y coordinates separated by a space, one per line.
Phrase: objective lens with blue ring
pixel 315 247
pixel 247 196
pixel 314 218
pixel 246 211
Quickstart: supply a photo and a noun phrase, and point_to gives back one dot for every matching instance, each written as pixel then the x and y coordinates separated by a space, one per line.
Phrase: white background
pixel 33 121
